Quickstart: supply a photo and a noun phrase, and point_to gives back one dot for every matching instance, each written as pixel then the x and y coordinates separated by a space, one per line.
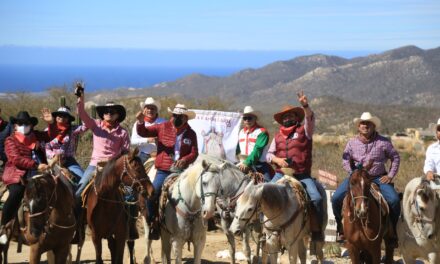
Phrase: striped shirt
pixel 67 147
pixel 379 150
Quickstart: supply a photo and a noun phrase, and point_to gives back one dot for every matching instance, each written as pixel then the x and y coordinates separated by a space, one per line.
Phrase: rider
pixel 64 137
pixel 5 131
pixel 253 142
pixel 368 146
pixel 432 161
pixel 177 148
pixel 150 109
pixel 25 157
pixel 292 148
pixel 110 139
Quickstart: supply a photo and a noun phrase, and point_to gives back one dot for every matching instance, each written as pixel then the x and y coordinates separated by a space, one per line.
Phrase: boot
pixel 340 238
pixel 154 233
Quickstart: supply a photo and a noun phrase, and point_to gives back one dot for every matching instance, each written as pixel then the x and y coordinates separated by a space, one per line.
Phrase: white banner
pixel 217 132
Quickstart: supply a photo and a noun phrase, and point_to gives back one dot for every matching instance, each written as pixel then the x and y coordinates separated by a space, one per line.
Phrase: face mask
pixel 289 123
pixel 177 121
pixel 24 129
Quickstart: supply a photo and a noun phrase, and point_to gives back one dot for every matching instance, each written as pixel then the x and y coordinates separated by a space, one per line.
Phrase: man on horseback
pixel 150 109
pixel 176 150
pixel 25 156
pixel 432 160
pixel 369 146
pixel 252 145
pixel 291 149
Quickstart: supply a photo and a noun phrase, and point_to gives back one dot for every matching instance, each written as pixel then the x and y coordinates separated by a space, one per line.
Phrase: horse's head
pixel 360 184
pixel 208 186
pixel 247 207
pixel 425 207
pixel 39 197
pixel 134 174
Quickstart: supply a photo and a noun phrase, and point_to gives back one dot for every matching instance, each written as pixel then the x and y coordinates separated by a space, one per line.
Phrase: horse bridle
pixel 419 218
pixel 126 171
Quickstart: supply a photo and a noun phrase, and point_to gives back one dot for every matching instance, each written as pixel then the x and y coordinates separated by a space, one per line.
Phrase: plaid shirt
pixel 66 148
pixel 379 150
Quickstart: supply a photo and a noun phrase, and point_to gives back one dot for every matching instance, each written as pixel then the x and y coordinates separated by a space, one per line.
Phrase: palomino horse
pixel 190 203
pixel 365 219
pixel 285 222
pixel 107 215
pixel 50 222
pixel 419 226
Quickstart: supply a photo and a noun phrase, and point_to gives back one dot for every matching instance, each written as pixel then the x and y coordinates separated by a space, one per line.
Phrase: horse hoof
pixel 254 260
pixel 147 260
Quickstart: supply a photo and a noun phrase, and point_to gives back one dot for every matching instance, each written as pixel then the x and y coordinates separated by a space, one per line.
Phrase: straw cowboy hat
pixel 23 117
pixel 366 116
pixel 249 110
pixel 299 111
pixel 100 110
pixel 181 109
pixel 64 111
pixel 150 101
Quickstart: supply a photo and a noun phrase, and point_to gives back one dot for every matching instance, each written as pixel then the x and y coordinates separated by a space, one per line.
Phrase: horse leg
pixel 198 250
pixel 389 253
pixel 119 247
pixel 354 253
pixel 34 254
pixel 165 241
pixel 61 254
pixel 293 253
pixel 98 248
pixel 177 245
pixel 246 246
pixel 147 256
pixel 130 245
pixel 81 229
pixel 434 258
pixel 272 247
pixel 231 241
pixel 111 247
pixel 302 250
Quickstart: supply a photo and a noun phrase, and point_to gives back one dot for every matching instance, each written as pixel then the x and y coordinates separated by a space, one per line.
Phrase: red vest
pixel 298 148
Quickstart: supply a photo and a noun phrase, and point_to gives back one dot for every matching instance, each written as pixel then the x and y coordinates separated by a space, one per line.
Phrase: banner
pixel 217 132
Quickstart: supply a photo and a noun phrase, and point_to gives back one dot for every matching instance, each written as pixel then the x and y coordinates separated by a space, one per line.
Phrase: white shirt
pixel 432 161
pixel 142 142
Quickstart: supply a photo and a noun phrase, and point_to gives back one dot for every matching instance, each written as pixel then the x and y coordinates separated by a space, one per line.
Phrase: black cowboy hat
pixel 23 117
pixel 100 110
pixel 64 111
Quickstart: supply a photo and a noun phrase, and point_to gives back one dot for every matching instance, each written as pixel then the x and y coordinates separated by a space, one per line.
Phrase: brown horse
pixel 107 213
pixel 365 220
pixel 49 220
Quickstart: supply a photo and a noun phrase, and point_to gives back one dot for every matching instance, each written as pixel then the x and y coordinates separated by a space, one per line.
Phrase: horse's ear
pixel 134 153
pixel 352 165
pixel 369 165
pixel 205 164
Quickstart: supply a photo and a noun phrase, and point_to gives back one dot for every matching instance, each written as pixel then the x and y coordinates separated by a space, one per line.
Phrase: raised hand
pixel 302 99
pixel 46 115
pixel 140 117
pixel 79 89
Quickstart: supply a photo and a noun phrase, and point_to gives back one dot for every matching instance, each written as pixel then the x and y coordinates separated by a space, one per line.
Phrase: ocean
pixel 38 78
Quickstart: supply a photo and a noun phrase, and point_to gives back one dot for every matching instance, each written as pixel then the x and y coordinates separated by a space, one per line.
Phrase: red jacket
pixel 166 139
pixel 298 148
pixel 20 158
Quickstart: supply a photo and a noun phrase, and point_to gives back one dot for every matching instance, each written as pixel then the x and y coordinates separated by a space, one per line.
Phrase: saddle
pixel 99 169
pixel 167 189
pixel 378 197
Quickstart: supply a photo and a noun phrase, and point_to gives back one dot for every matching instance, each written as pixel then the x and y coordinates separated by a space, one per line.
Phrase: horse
pixel 190 203
pixel 285 219
pixel 48 215
pixel 366 219
pixel 107 215
pixel 419 225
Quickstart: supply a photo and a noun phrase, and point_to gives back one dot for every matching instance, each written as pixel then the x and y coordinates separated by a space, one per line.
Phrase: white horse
pixel 285 222
pixel 419 227
pixel 190 204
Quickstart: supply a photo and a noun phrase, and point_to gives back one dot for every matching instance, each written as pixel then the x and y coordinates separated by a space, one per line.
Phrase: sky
pixel 243 25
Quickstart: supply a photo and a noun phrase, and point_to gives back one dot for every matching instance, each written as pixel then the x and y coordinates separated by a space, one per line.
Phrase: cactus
pixel 93 109
pixel 62 101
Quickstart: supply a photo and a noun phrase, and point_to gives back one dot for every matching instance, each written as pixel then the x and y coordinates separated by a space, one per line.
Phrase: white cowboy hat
pixel 150 101
pixel 249 110
pixel 181 109
pixel 366 116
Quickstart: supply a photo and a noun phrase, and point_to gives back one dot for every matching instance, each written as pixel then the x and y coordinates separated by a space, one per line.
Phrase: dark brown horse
pixel 49 220
pixel 107 214
pixel 365 220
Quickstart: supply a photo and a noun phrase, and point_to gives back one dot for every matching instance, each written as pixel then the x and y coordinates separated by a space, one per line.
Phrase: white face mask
pixel 24 129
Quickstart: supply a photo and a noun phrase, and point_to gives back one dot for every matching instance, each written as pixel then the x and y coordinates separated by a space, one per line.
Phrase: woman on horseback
pixel 25 156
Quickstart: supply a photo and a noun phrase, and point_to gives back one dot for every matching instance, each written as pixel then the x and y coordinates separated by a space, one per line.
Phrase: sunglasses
pixel 109 111
pixel 248 118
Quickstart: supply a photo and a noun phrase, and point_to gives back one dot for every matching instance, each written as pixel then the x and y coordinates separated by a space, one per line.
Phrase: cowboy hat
pixel 289 109
pixel 181 109
pixel 100 110
pixel 249 110
pixel 150 101
pixel 366 116
pixel 64 111
pixel 23 117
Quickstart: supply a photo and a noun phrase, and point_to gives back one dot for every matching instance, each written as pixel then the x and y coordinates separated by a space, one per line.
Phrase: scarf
pixel 109 125
pixel 63 130
pixel 251 129
pixel 287 131
pixel 181 129
pixel 149 119
pixel 29 141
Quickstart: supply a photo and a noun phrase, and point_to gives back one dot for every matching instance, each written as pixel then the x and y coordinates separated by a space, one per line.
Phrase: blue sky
pixel 221 25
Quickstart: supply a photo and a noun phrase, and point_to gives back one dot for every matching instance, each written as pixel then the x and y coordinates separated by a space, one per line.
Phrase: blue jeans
pixel 387 190
pixel 72 165
pixel 87 176
pixel 312 190
pixel 143 156
pixel 161 175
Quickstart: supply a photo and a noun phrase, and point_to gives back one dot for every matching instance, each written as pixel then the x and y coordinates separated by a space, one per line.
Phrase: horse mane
pixel 275 195
pixel 107 179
